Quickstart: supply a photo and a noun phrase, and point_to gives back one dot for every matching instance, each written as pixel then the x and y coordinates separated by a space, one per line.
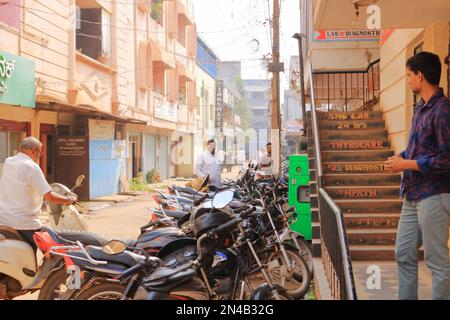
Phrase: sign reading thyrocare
pixel 16 80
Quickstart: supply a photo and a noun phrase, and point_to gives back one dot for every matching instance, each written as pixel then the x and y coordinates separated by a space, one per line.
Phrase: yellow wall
pixel 396 96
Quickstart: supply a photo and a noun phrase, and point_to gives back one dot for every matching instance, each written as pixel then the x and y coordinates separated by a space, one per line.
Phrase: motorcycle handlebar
pixel 228 225
pixel 235 221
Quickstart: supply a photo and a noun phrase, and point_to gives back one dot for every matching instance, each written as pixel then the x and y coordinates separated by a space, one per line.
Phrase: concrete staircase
pixel 354 146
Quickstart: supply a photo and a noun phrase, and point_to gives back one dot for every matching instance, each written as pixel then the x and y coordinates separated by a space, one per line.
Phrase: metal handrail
pixel 315 128
pixel 349 281
pixel 345 255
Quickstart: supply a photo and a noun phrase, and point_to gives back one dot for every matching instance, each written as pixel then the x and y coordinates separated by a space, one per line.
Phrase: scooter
pixel 19 271
pixel 66 217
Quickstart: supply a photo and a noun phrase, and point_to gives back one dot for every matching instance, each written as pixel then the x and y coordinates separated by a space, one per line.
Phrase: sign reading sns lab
pixel 347 35
pixel 16 80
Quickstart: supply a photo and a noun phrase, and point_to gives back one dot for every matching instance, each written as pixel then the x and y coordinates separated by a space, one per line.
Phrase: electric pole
pixel 276 68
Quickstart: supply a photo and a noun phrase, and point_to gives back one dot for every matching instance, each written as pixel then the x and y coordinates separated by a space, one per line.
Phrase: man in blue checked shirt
pixel 425 187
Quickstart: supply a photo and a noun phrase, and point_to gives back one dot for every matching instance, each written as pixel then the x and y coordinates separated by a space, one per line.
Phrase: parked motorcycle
pixel 19 271
pixel 149 278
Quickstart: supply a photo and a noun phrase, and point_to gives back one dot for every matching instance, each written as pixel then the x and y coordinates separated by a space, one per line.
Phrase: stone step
pixel 351 124
pixel 370 220
pixel 362 134
pixel 370 144
pixel 371 236
pixel 359 155
pixel 370 206
pixel 375 252
pixel 364 192
pixel 352 115
pixel 352 167
pixel 374 179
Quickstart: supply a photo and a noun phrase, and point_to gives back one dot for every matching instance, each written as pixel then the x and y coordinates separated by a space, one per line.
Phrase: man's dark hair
pixel 268 144
pixel 429 64
pixel 210 141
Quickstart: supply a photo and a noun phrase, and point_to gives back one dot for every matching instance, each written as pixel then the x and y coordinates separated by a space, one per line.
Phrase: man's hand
pixel 394 164
pixel 71 199
pixel 398 164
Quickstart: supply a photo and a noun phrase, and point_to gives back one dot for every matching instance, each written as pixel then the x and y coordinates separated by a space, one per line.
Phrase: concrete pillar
pixel 436 40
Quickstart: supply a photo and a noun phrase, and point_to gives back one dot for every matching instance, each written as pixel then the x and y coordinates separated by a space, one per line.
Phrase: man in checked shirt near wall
pixel 425 187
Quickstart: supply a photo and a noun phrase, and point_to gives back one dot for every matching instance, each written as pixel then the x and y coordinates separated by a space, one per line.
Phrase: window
pixel 120 131
pixel 182 91
pixel 93 37
pixel 157 11
pixel 159 76
pixel 182 30
pixel 9 144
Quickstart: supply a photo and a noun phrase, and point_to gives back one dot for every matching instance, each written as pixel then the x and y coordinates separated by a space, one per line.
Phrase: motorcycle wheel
pixel 263 292
pixel 296 282
pixel 54 286
pixel 307 255
pixel 103 290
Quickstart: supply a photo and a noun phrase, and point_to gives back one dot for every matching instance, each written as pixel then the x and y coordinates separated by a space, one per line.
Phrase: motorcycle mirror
pixel 114 247
pixel 222 198
pixel 79 182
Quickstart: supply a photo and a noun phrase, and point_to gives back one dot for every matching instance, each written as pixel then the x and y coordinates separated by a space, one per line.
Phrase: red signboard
pixel 347 35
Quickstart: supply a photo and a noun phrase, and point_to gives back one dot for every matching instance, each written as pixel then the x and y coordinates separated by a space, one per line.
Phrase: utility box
pixel 299 194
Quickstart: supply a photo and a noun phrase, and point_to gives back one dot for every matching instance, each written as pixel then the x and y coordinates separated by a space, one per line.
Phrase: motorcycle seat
pixel 184 189
pixel 86 238
pixel 177 214
pixel 9 233
pixel 122 258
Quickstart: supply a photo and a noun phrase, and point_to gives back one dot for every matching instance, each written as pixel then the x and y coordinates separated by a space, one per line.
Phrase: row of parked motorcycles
pixel 231 244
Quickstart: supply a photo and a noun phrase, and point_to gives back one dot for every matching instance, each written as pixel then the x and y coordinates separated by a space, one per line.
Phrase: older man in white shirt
pixel 209 163
pixel 22 190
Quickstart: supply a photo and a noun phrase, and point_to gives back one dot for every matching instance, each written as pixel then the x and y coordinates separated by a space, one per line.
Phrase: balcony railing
pixel 164 109
pixel 348 90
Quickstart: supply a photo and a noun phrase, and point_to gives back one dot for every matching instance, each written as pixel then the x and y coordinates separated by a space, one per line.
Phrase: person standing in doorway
pixel 209 163
pixel 266 162
pixel 425 187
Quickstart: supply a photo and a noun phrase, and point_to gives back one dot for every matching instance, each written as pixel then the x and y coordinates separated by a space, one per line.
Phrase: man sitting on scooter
pixel 22 190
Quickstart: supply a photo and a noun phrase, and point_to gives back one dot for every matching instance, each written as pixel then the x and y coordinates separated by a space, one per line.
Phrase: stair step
pixel 351 115
pixel 371 236
pixel 370 206
pixel 376 221
pixel 359 155
pixel 353 134
pixel 351 124
pixel 375 253
pixel 354 167
pixel 374 179
pixel 370 144
pixel 364 192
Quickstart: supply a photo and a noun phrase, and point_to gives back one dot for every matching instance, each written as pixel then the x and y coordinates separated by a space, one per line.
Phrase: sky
pixel 239 30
